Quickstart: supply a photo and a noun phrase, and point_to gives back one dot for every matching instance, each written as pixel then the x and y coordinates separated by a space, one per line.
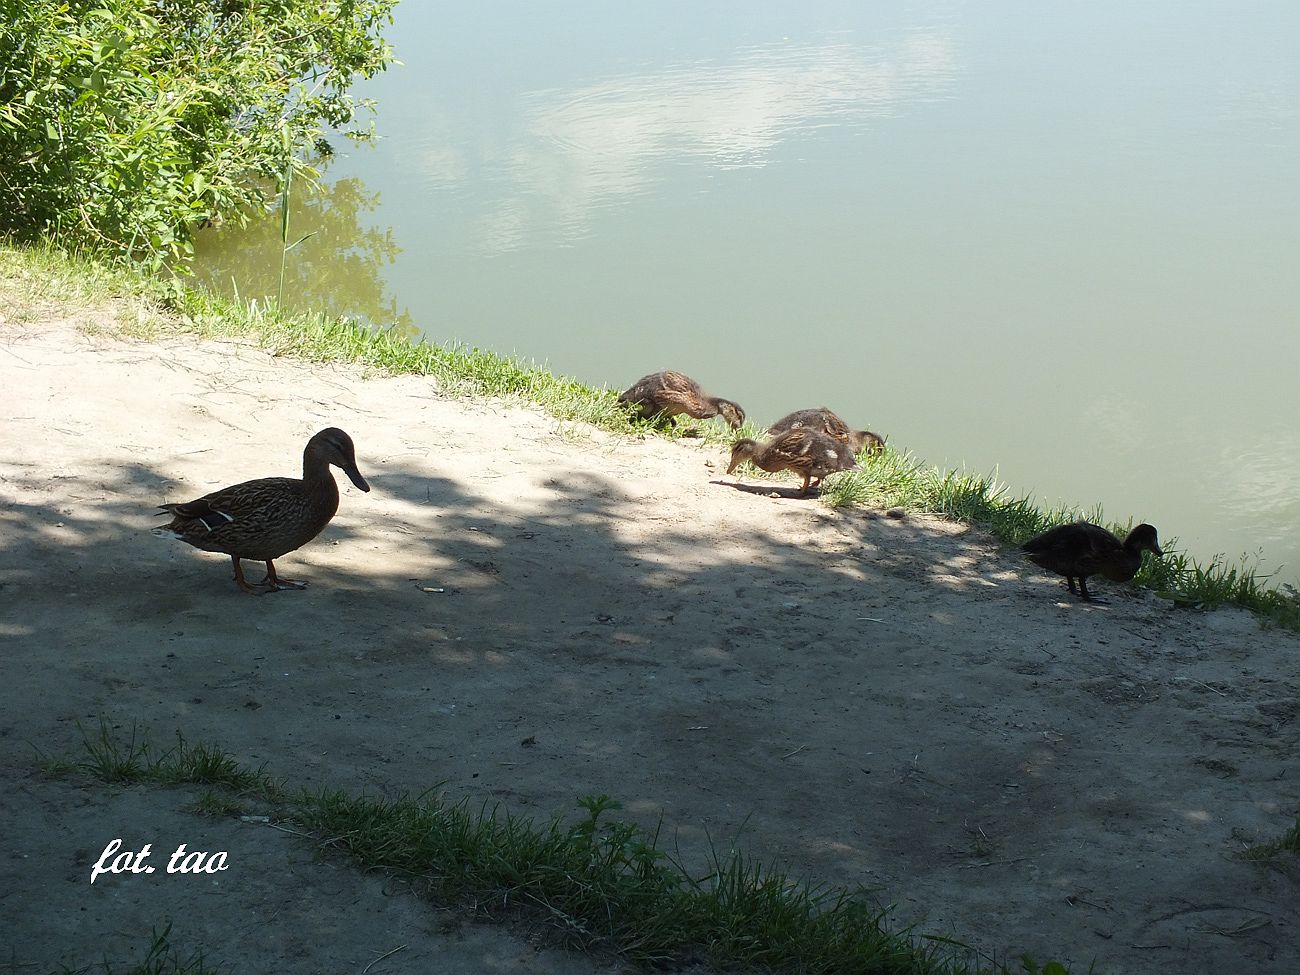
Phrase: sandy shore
pixel 892 703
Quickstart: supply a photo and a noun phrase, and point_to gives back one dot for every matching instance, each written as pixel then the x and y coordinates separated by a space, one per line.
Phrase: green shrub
pixel 124 123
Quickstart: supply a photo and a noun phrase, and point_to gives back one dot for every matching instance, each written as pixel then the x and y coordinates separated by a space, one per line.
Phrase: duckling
pixel 271 516
pixel 829 423
pixel 1084 549
pixel 673 393
pixel 803 450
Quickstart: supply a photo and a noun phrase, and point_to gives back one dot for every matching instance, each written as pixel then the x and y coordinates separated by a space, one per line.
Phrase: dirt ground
pixel 527 611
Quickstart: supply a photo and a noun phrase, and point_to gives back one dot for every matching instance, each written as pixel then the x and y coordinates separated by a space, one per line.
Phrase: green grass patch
pixel 217 804
pixel 37 277
pixel 1288 844
pixel 132 757
pixel 161 958
pixel 149 307
pixel 595 882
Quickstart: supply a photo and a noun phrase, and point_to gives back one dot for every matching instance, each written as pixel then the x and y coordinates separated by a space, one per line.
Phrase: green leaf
pixel 299 241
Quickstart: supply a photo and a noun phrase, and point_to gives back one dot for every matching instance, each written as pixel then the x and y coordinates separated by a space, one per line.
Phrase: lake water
pixel 1059 239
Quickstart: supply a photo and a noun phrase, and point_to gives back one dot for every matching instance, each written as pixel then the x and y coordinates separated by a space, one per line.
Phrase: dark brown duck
pixel 1083 549
pixel 269 517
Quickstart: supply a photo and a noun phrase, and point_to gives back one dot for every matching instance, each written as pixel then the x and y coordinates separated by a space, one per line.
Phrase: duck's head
pixel 731 412
pixel 1141 538
pixel 333 446
pixel 872 443
pixel 741 451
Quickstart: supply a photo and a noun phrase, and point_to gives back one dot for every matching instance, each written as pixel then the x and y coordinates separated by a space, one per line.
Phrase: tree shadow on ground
pixel 860 698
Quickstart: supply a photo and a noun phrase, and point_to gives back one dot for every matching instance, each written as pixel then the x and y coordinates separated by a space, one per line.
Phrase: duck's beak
pixel 1156 548
pixel 355 477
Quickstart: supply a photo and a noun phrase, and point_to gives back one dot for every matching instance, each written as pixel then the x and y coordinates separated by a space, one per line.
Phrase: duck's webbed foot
pixel 273 583
pixel 240 581
pixel 1087 596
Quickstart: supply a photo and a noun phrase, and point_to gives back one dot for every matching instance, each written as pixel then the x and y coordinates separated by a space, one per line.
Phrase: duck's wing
pixel 232 505
pixel 667 392
pixel 794 450
pixel 832 425
pixel 1080 549
pixel 831 455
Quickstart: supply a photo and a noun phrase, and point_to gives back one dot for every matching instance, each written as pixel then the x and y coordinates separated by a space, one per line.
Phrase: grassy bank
pixel 44 282
pixel 594 883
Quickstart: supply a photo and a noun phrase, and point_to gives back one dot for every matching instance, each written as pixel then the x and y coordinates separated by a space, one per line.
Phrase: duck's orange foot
pixel 240 581
pixel 273 583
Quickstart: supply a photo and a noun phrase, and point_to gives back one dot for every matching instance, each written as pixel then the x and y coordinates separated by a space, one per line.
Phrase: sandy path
pixel 875 701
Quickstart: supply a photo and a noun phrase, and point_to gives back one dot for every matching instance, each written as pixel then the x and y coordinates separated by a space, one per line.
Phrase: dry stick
pixel 1193 680
pixel 992 863
pixel 795 752
pixel 381 958
pixel 1142 636
pixel 1072 900
pixel 25 362
pixel 295 832
pixel 1245 927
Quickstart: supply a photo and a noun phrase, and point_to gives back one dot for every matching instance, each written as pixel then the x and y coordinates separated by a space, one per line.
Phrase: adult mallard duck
pixel 803 450
pixel 830 424
pixel 271 516
pixel 673 393
pixel 1083 549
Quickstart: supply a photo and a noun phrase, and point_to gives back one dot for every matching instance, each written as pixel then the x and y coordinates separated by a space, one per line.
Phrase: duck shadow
pixel 770 490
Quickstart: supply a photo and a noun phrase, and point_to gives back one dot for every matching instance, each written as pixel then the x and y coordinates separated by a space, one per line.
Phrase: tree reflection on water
pixel 337 271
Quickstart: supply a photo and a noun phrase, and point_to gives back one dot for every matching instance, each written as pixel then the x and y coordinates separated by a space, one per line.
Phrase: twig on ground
pixel 381 958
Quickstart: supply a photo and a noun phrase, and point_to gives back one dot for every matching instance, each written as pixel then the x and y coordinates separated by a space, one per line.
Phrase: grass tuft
pixel 218 805
pixel 161 959
pixel 111 758
pixel 204 765
pixel 1288 844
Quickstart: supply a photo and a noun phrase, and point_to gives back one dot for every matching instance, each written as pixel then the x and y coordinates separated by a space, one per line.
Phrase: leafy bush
pixel 123 123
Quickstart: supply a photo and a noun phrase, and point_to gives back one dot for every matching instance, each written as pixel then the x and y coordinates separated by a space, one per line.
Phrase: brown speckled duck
pixel 1083 549
pixel 830 424
pixel 803 450
pixel 271 516
pixel 673 394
